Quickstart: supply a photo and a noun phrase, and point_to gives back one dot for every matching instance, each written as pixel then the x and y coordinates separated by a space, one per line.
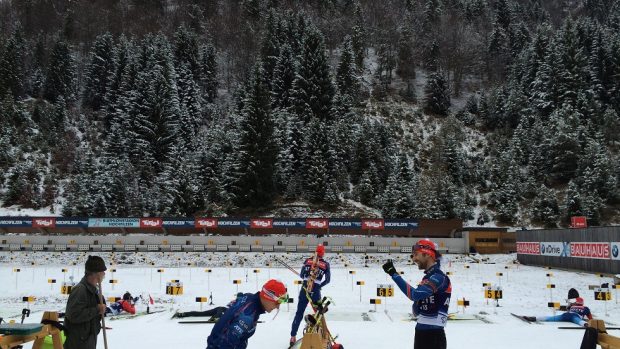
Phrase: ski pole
pixel 287 266
pixel 105 336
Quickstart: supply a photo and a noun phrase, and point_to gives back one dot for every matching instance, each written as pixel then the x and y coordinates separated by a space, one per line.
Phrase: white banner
pixel 558 249
pixel 615 250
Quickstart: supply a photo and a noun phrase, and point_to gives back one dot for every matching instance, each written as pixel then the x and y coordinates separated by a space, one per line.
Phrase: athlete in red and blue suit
pixel 431 298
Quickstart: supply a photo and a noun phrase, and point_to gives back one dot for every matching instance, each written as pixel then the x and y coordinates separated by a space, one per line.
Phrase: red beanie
pixel 273 290
pixel 320 250
pixel 427 247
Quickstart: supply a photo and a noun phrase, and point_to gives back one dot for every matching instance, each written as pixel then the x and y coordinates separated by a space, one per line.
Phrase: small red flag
pixel 151 300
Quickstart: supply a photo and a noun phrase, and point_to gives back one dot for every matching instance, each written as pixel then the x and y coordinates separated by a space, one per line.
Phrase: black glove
pixel 389 268
pixel 322 305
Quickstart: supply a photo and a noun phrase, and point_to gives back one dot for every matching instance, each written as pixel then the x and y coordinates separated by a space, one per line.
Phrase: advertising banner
pixel 72 222
pixel 345 223
pixel 615 251
pixel 44 222
pixel 528 248
pixel 208 223
pixel 578 222
pixel 114 222
pixel 596 250
pixel 558 249
pixel 400 224
pixel 178 222
pixel 373 224
pixel 317 223
pixel 151 222
pixel 261 223
pixel 233 223
pixel 289 223
pixel 9 222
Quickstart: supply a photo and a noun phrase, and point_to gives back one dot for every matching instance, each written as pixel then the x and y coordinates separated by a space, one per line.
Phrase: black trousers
pixel 217 312
pixel 430 339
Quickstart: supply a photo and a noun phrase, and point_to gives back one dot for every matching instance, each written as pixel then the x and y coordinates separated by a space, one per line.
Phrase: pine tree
pixel 187 51
pixel 291 156
pixel 405 60
pixel 256 149
pixel 386 64
pixel 61 73
pixel 12 68
pixel 545 208
pixel 573 64
pixel 283 79
pixel 121 81
pixel 546 90
pixel 346 78
pixel 564 149
pixel 313 90
pixel 398 199
pixel 98 71
pixel 365 190
pixel 155 110
pixel 209 73
pixel 437 95
pixel 318 163
pixel 270 44
pixel 358 38
pixel 191 107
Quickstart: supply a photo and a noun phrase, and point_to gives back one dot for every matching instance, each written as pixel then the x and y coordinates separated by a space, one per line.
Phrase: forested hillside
pixel 501 111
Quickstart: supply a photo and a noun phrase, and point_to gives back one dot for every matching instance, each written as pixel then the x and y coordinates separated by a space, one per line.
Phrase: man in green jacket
pixel 83 313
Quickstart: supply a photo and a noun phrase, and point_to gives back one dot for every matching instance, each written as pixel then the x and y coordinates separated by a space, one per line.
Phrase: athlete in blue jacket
pixel 238 323
pixel 431 298
pixel 323 276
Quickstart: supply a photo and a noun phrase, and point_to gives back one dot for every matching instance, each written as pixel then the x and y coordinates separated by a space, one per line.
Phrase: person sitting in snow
pixel 125 304
pixel 576 312
pixel 238 323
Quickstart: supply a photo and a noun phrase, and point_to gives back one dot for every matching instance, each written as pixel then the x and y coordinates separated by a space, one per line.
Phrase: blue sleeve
pixel 328 275
pixel 236 336
pixel 423 291
pixel 304 272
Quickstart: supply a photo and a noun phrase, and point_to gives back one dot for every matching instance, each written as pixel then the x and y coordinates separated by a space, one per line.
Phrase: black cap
pixel 127 296
pixel 572 293
pixel 95 264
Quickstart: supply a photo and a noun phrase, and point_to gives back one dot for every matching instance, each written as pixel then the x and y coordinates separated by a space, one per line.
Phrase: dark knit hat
pixel 95 264
pixel 572 293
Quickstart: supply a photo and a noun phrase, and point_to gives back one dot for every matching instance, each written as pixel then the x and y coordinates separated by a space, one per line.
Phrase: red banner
pixel 373 224
pixel 597 250
pixel 528 247
pixel 44 222
pixel 317 223
pixel 578 222
pixel 151 222
pixel 261 223
pixel 209 223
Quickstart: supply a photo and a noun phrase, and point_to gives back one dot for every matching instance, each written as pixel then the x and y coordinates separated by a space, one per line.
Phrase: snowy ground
pixel 524 288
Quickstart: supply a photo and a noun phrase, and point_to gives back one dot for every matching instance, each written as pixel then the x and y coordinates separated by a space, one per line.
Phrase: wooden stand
pixel 318 339
pixel 8 342
pixel 605 340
